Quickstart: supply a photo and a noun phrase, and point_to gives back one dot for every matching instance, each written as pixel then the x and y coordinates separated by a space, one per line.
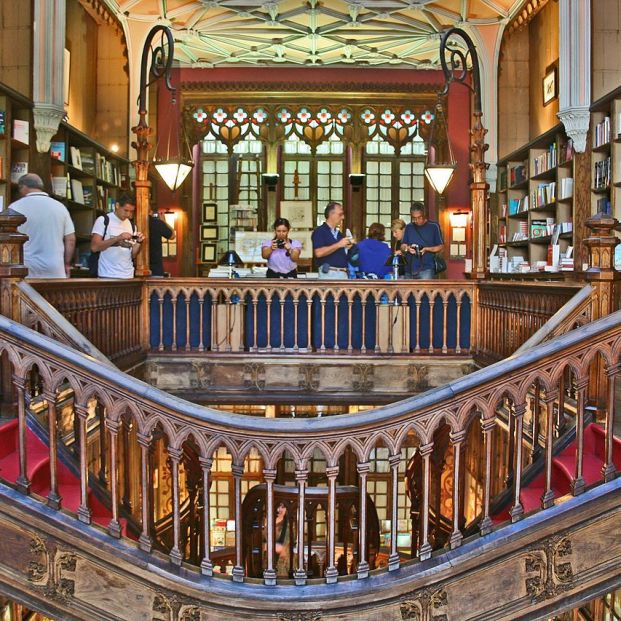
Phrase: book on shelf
pixel 59 186
pixel 601 133
pixel 2 123
pixel 538 228
pixel 17 170
pixel 603 206
pixel 87 157
pixel 57 151
pixel 602 174
pixel 545 161
pixel 77 191
pixel 21 131
pixel 87 193
pixel 76 157
pixel 566 188
pixel 502 234
pixel 517 174
pixel 518 205
pixel 503 210
pixel 567 151
pixel 544 194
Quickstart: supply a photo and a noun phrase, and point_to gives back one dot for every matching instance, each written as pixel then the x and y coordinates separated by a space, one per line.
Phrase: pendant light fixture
pixel 440 165
pixel 175 165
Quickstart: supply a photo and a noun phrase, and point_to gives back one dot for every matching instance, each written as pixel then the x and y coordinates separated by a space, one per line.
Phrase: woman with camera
pixel 281 252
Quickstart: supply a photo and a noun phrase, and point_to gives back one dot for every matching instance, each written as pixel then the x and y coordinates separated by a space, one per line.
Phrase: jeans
pixel 427 274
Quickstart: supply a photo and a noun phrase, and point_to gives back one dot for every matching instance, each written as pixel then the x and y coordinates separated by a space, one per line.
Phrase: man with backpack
pixel 115 239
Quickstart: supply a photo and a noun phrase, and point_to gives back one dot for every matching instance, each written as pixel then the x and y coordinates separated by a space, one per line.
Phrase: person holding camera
pixel 117 241
pixel 421 240
pixel 281 252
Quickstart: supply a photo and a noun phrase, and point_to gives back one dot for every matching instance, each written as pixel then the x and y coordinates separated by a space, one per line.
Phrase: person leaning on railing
pixel 374 252
pixel 329 244
pixel 281 252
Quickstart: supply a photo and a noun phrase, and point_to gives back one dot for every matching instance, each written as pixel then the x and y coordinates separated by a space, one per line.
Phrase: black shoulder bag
pixel 439 264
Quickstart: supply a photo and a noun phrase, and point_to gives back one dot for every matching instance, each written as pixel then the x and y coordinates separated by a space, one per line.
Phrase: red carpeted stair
pixel 38 470
pixel 564 468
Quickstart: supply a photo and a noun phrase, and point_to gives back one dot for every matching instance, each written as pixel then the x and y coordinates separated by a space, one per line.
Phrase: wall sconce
pixel 459 223
pixel 270 180
pixel 170 217
pixel 459 219
pixel 356 180
pixel 440 165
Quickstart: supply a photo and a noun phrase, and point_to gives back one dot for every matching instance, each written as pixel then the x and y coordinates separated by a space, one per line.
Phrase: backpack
pixel 93 257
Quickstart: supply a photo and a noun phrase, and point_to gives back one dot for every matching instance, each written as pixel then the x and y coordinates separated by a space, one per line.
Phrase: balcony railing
pixel 469 406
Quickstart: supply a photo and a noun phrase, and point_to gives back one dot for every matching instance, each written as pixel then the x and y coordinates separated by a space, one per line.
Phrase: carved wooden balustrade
pixel 509 313
pixel 108 313
pixel 299 316
pixel 470 406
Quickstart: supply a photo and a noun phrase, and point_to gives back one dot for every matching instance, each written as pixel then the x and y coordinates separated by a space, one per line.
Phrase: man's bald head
pixel 30 182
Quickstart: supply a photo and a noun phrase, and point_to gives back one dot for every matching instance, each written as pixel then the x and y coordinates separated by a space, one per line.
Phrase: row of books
pixel 602 174
pixel 537 229
pixel 91 196
pixel 544 194
pixel 545 161
pixel 518 205
pixel 566 188
pixel 517 174
pixel 87 160
pixel 601 132
pixel 542 228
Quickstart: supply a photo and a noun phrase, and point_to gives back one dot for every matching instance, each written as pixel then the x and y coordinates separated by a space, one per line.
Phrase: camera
pixel 280 243
pixel 416 249
pixel 134 237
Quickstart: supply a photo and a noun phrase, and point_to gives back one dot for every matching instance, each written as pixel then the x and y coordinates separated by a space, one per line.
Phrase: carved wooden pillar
pixel 609 469
pixel 517 510
pixel 478 198
pixel 206 563
pixel 100 411
pixel 84 513
pixel 393 559
pixel 175 554
pixel 425 547
pixel 577 485
pixel 457 440
pixel 114 528
pixel 143 190
pixel 547 500
pixel 487 426
pixel 238 569
pixel 53 498
pixel 144 441
pixel 363 564
pixel 22 483
pixel 332 473
pixel 301 476
pixel 269 573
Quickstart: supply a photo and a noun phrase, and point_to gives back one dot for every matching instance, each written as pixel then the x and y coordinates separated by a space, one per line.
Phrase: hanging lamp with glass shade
pixel 440 165
pixel 177 163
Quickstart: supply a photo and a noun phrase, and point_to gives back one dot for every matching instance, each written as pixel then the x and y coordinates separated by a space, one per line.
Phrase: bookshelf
pixel 15 140
pixel 87 178
pixel 535 207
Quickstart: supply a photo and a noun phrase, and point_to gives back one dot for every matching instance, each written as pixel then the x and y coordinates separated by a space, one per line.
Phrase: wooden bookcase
pixel 535 199
pixel 606 155
pixel 16 136
pixel 87 178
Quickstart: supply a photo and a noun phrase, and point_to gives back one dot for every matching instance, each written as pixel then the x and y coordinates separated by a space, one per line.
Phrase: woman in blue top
pixel 374 252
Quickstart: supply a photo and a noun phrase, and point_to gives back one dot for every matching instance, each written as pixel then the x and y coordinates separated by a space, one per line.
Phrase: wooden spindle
pixel 238 569
pixel 22 483
pixel 214 323
pixel 269 573
pixel 282 323
pixel 175 554
pixel 114 527
pixel 518 414
pixel 578 484
pixel 301 477
pixel 458 333
pixel 457 440
pixel 394 559
pixel 206 563
pixel 331 573
pixel 609 469
pixel 363 564
pixel 547 500
pixel 144 442
pixel 201 322
pixel 53 498
pixel 487 426
pixel 424 551
pixel 84 513
pixel 187 322
pixel 174 322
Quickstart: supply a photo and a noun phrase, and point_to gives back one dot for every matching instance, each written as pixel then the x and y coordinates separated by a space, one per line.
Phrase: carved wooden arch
pixel 472 409
pixel 540 376
pixel 12 354
pixel 446 415
pixel 278 452
pixel 93 391
pixel 125 407
pixel 62 375
pixel 506 391
pixel 577 370
pixel 605 351
pixel 373 440
pixel 159 419
pixel 309 451
pixel 355 444
pixel 411 426
pixel 28 361
pixel 185 433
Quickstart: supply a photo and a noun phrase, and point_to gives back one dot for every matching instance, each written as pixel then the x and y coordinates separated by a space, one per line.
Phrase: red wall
pixel 343 79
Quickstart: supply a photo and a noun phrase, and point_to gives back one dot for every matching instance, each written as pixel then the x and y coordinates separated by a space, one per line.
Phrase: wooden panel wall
pixel 16 46
pixel 606 47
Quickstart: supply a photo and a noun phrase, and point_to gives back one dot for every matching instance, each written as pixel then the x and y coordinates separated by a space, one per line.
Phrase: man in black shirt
pixel 157 229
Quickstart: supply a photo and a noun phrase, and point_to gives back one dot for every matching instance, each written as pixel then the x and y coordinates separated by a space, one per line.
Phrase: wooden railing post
pixel 175 554
pixel 332 473
pixel 144 441
pixel 547 500
pixel 487 426
pixel 457 440
pixel 363 563
pixel 577 484
pixel 394 559
pixel 301 476
pixel 84 512
pixel 425 549
pixel 518 510
pixel 12 270
pixel 238 568
pixel 269 573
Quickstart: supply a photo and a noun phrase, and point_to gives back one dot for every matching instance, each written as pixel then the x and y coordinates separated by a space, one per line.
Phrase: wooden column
pixel 22 483
pixel 394 559
pixel 144 441
pixel 175 554
pixel 609 469
pixel 577 484
pixel 363 564
pixel 269 573
pixel 478 198
pixel 238 569
pixel 424 551
pixel 53 498
pixel 332 473
pixel 206 563
pixel 457 440
pixel 487 426
pixel 114 528
pixel 301 477
pixel 547 500
pixel 84 513
pixel 518 510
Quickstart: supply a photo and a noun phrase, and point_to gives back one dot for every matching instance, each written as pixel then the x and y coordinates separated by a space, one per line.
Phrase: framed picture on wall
pixel 550 84
pixel 209 212
pixel 208 253
pixel 208 232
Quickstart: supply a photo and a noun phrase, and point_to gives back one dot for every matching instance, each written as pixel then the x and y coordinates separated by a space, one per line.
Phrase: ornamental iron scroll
pixel 396 125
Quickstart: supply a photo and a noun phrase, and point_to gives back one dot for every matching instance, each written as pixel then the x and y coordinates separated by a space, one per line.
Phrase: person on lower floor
pixel 330 245
pixel 281 252
pixel 422 238
pixel 158 230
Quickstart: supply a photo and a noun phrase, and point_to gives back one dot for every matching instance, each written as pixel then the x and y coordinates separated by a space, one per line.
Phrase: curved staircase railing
pixel 467 406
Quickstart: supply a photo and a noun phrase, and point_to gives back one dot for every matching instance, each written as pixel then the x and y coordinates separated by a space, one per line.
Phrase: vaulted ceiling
pixel 314 32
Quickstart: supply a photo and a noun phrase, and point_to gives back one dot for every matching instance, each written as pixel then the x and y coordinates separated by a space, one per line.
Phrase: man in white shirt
pixel 51 234
pixel 121 243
